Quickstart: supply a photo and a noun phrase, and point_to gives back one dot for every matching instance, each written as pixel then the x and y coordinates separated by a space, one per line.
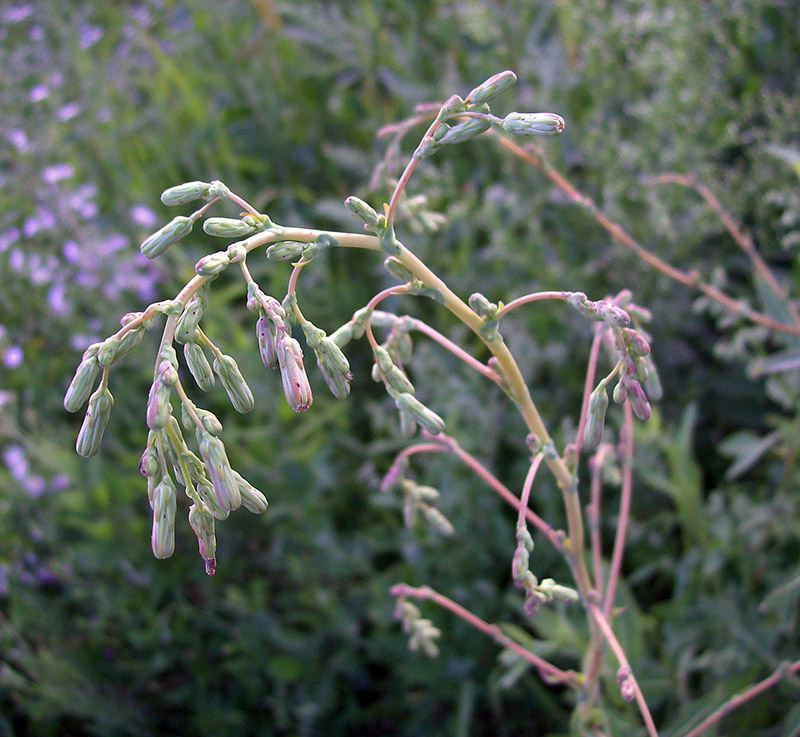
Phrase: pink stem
pixel 525 299
pixel 549 671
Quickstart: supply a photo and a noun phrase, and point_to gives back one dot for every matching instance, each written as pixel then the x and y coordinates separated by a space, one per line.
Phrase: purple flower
pixel 19 139
pixel 143 215
pixel 36 33
pixel 57 299
pixel 57 172
pixel 16 259
pixel 71 251
pixel 16 13
pixel 38 92
pixel 13 356
pixel 68 111
pixel 88 35
pixel 9 237
pixel 59 482
pixel 34 486
pixel 15 461
pixel 43 220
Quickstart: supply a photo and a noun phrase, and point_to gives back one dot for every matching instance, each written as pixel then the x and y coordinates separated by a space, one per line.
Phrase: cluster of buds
pixel 423 632
pixel 418 500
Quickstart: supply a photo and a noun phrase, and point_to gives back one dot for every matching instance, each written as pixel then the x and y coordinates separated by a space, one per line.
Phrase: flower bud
pixel 162 239
pixel 652 384
pixel 636 342
pixel 465 131
pixel 95 422
pixel 285 251
pixel 438 521
pixel 595 417
pixel 148 463
pixel 426 418
pixel 162 539
pixel 106 354
pixel 338 383
pixel 202 522
pixel 82 384
pixel 482 306
pixel 190 317
pixel 362 210
pixel 236 252
pixel 492 87
pixel 205 490
pixel 396 378
pixel 526 124
pixel 183 193
pixel 199 367
pixel 610 313
pixel 296 388
pixel 228 228
pixel 220 473
pixel 620 393
pixel 252 499
pixel 399 270
pixel 238 391
pixel 213 264
pixel 408 425
pixel 267 335
pixel 638 400
pixel 159 408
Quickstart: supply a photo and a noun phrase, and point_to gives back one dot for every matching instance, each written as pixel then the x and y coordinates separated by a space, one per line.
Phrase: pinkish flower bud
pixel 293 374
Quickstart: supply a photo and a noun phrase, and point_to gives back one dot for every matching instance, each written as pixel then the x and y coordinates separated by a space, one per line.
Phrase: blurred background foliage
pixel 106 104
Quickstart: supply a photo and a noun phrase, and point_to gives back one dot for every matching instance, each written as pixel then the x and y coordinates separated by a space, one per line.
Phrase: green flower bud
pixel 220 473
pixel 228 228
pixel 595 417
pixel 205 490
pixel 526 124
pixel 252 499
pixel 426 418
pixel 482 306
pixel 396 378
pixel 161 240
pixel 362 210
pixel 82 384
pixel 236 252
pixel 492 87
pixel 213 264
pixel 238 391
pixel 438 521
pixel 652 384
pixel 183 193
pixel 159 408
pixel 107 352
pixel 465 131
pixel 399 270
pixel 94 423
pixel 285 251
pixel 202 522
pixel 162 539
pixel 190 317
pixel 199 367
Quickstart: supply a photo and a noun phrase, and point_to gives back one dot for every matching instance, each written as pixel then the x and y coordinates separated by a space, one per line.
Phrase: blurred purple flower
pixel 143 215
pixel 34 485
pixel 16 260
pixel 16 13
pixel 57 172
pixel 15 461
pixel 71 251
pixel 43 220
pixel 13 356
pixel 68 111
pixel 38 92
pixel 57 299
pixel 19 139
pixel 88 35
pixel 36 33
pixel 115 242
pixel 9 237
pixel 59 482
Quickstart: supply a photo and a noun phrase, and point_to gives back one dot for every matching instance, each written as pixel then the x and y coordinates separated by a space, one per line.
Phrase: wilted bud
pixel 285 251
pixel 95 422
pixel 465 131
pixel 220 473
pixel 595 417
pixel 296 388
pixel 199 367
pixel 610 313
pixel 238 391
pixel 159 408
pixel 213 264
pixel 526 124
pixel 228 228
pixel 492 87
pixel 162 539
pixel 252 499
pixel 638 400
pixel 190 317
pixel 162 239
pixel 426 418
pixel 362 210
pixel 183 193
pixel 202 522
pixel 82 384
